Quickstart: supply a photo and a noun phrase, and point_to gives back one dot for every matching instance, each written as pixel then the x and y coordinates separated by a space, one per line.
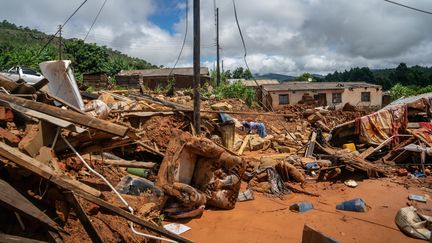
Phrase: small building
pixel 334 94
pixel 97 80
pixel 160 78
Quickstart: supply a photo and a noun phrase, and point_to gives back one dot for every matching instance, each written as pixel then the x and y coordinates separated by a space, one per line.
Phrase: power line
pixel 94 21
pixel 405 6
pixel 245 53
pixel 67 20
pixel 184 39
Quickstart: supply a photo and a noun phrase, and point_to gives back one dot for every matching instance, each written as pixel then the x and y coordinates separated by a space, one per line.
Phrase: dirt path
pixel 268 219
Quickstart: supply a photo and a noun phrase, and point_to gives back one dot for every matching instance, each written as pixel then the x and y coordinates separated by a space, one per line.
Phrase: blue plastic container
pixel 301 207
pixel 355 205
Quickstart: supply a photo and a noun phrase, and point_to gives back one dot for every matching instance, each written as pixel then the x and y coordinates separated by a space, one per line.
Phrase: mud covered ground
pixel 269 219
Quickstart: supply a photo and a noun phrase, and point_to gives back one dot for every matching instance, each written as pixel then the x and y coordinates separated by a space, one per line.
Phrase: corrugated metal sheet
pixel 251 83
pixel 318 85
pixel 410 99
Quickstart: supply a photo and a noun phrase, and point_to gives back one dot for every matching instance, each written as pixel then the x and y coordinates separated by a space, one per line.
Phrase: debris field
pixel 128 166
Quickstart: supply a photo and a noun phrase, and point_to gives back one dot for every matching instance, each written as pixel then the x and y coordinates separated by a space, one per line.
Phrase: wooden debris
pixel 13 200
pixel 67 115
pixel 244 144
pixel 130 164
pixel 44 171
pixel 84 219
pixel 17 239
pixel 133 218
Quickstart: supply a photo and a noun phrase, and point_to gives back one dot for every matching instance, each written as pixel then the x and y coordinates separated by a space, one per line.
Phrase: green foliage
pixel 387 78
pixel 224 76
pixel 241 73
pixel 399 91
pixel 235 90
pixel 90 89
pixel 305 77
pixel 21 46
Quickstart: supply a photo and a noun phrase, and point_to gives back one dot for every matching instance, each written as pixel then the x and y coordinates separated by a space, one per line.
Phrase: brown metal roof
pixel 160 72
pixel 251 83
pixel 294 85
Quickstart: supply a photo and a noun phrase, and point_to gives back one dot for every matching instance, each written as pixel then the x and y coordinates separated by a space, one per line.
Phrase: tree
pixel 247 74
pixel 305 77
pixel 87 58
pixel 238 72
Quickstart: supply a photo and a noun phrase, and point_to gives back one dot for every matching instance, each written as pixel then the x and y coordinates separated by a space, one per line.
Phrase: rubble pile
pixel 116 168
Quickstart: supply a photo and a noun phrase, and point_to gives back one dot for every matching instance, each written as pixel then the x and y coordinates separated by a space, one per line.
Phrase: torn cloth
pixel 379 126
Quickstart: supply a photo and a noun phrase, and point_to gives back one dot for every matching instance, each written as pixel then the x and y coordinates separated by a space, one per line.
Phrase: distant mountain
pixel 282 77
pixel 277 76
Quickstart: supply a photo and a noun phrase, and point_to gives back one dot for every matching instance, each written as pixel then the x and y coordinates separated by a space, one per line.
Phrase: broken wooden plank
pixel 310 148
pixel 65 103
pixel 150 149
pixel 5 238
pixel 244 144
pixel 67 115
pixel 129 164
pixel 367 152
pixel 83 218
pixel 149 226
pixel 13 200
pixel 44 171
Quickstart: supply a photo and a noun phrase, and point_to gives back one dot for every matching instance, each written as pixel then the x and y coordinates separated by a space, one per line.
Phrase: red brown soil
pixel 269 219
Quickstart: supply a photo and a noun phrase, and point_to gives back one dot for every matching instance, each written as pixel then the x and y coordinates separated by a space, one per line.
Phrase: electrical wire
pixel 245 51
pixel 247 66
pixel 95 19
pixel 184 39
pixel 67 20
pixel 405 6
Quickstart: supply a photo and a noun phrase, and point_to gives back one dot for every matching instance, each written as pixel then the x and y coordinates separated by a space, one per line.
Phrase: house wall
pixel 154 82
pixel 98 81
pixel 352 96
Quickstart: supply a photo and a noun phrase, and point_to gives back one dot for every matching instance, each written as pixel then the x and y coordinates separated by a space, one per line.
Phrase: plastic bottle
pixel 301 207
pixel 356 205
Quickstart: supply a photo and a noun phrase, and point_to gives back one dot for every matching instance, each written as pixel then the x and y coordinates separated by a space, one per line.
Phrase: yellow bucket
pixel 350 146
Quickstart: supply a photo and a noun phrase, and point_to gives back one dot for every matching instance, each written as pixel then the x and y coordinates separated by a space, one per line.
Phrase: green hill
pixel 22 46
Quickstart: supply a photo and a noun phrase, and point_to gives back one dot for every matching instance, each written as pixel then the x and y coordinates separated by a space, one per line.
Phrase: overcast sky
pixel 283 36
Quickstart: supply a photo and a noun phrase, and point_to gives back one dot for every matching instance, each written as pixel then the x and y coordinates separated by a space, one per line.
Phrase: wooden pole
pixel 196 66
pixel 60 42
pixel 218 74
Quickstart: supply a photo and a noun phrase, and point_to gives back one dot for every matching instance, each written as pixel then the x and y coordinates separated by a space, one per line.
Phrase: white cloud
pixel 282 36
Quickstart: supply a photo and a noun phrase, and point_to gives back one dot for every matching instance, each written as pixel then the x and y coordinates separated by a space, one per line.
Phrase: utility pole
pixel 60 42
pixel 218 74
pixel 196 66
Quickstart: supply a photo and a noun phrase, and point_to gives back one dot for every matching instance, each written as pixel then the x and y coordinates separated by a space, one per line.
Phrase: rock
pixel 146 208
pixel 221 106
pixel 268 161
pixel 286 149
pixel 257 143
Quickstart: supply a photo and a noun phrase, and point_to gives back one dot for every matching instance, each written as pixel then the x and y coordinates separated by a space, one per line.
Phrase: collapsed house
pixel 333 94
pixel 111 167
pixel 160 78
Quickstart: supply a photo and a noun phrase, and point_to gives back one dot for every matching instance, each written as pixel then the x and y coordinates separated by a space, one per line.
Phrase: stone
pixel 257 143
